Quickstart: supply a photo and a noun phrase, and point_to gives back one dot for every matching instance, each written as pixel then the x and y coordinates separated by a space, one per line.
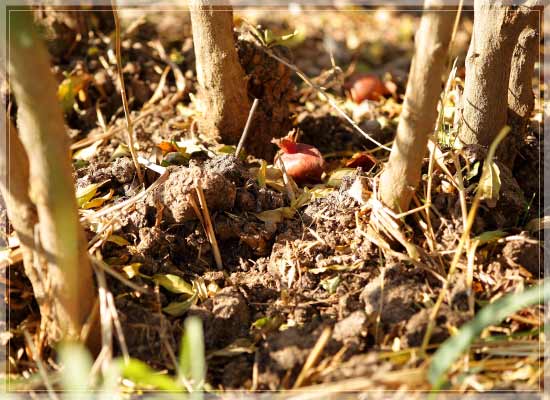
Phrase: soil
pixel 283 281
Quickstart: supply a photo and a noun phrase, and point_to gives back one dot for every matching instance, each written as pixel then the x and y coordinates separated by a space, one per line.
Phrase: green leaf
pixel 269 37
pixel 489 236
pixel 335 179
pixel 178 308
pixel 98 201
pixel 262 171
pixel 87 153
pixel 331 284
pixel 192 360
pixel 302 200
pixel 174 158
pixel 473 171
pixel 173 283
pixel 489 185
pixel 118 240
pixel 66 94
pixel 85 194
pixel 143 375
pixel 491 314
pixel 122 150
pixel 77 364
pixel 277 215
pixel 131 270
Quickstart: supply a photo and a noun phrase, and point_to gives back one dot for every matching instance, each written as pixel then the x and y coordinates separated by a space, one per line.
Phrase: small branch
pixel 129 124
pixel 464 239
pixel 209 227
pixel 313 356
pixel 159 169
pixel 246 127
pixel 40 365
pixel 286 180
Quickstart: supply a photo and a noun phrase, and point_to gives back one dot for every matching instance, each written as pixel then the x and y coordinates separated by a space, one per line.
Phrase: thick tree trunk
pixel 402 172
pixel 68 283
pixel 223 87
pixel 521 100
pixel 496 30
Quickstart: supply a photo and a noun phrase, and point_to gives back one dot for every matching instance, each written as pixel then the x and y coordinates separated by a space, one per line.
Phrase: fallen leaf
pixel 131 270
pixel 489 185
pixel 85 194
pixel 331 284
pixel 173 283
pixel 178 308
pixel 335 178
pixel 277 215
pixel 363 160
pixel 87 153
pixel 118 240
pixel 98 201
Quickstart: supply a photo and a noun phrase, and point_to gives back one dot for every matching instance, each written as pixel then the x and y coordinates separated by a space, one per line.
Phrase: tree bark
pixel 68 282
pixel 497 26
pixel 418 118
pixel 223 87
pixel 521 99
pixel 14 187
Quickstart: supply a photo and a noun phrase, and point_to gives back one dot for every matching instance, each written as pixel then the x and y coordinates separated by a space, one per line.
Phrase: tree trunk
pixel 402 172
pixel 14 187
pixel 488 63
pixel 521 100
pixel 68 281
pixel 223 87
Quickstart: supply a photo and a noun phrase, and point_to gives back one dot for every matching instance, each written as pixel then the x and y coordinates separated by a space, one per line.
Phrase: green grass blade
pixel 491 314
pixel 192 359
pixel 77 364
pixel 143 375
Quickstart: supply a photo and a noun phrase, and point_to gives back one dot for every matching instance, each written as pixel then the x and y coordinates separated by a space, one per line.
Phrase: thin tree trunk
pixel 521 99
pixel 69 283
pixel 496 30
pixel 14 186
pixel 402 172
pixel 223 88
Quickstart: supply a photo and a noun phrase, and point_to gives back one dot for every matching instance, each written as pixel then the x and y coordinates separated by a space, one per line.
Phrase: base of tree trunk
pixel 270 82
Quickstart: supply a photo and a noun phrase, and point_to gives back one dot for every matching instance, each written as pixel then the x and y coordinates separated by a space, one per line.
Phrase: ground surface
pixel 286 275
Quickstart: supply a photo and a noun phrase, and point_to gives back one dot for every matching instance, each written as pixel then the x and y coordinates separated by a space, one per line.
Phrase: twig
pixel 429 200
pixel 90 322
pixel 210 228
pixel 116 129
pixel 118 327
pixel 461 189
pixel 455 27
pixel 246 127
pixel 464 239
pixel 106 320
pixel 159 169
pixel 40 365
pixel 128 202
pixel 129 124
pixel 286 180
pixel 313 356
pixel 315 87
pixel 104 266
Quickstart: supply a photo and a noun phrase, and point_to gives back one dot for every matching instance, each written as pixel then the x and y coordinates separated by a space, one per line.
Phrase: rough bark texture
pixel 69 284
pixel 521 100
pixel 223 87
pixel 402 172
pixel 488 63
pixel 270 82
